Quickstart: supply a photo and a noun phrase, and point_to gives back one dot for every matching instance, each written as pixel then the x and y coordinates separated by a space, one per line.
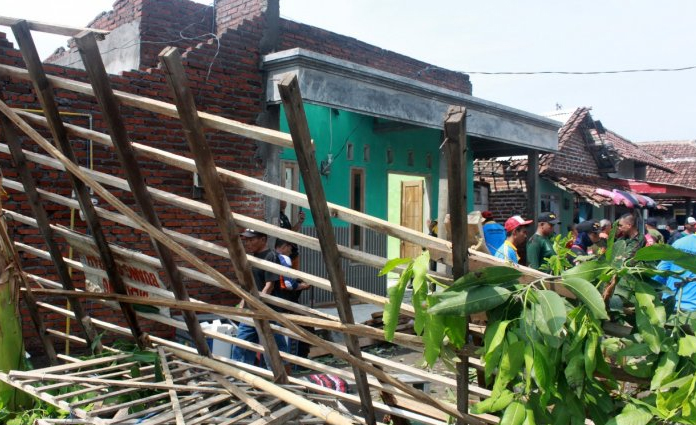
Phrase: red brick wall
pixel 573 155
pixel 293 34
pixel 230 13
pixel 233 89
pixel 227 82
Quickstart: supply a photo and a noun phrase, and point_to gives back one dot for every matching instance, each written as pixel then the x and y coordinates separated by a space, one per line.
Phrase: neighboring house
pixel 589 157
pixel 681 155
pixel 376 116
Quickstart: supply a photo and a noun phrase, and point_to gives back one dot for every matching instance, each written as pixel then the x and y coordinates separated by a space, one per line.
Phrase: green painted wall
pixel 332 130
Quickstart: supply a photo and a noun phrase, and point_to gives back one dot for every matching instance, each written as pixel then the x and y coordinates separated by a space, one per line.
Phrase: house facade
pixel 375 116
pixel 591 161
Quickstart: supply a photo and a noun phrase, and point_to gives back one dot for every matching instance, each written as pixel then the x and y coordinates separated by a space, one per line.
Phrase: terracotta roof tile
pixel 680 155
pixel 630 150
pixel 585 186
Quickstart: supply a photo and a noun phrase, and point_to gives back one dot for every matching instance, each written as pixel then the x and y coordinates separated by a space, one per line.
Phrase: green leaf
pixel 496 402
pixel 665 367
pixel 472 300
pixel 589 270
pixel 494 275
pixel 393 307
pixel 659 252
pixel 420 269
pixel 553 313
pixel 420 301
pixel 574 374
pixel 432 338
pixel 650 333
pixel 542 372
pixel 529 417
pixel 454 330
pixel 687 345
pixel 633 416
pixel 591 345
pixel 589 295
pixel 510 364
pixel 680 396
pixel 392 264
pixel 634 350
pixel 647 299
pixel 493 344
pixel 514 414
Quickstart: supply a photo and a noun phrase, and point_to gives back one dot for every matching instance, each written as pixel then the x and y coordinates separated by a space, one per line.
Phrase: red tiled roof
pixel 680 155
pixel 630 150
pixel 584 186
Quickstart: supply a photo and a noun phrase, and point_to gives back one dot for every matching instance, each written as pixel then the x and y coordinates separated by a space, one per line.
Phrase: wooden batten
pixel 46 97
pixel 197 387
pixel 87 45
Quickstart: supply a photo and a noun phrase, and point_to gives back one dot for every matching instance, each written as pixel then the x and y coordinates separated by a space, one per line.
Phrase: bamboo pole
pixel 215 192
pixel 329 415
pixel 87 45
pixel 456 145
pixel 44 92
pixel 43 225
pixel 51 28
pixel 297 121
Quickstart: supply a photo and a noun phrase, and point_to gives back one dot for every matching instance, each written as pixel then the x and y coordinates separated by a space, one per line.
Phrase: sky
pixel 508 36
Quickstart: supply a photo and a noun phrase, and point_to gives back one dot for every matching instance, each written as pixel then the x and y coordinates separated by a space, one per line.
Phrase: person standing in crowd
pixel 689 226
pixel 255 243
pixel 629 232
pixel 291 289
pixel 286 224
pixel 516 232
pixel 540 247
pixel 651 228
pixel 587 239
pixel 684 278
pixel 674 233
pixel 493 233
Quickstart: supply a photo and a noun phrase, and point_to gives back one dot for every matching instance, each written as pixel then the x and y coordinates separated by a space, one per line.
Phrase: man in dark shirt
pixel 255 243
pixel 540 247
pixel 674 233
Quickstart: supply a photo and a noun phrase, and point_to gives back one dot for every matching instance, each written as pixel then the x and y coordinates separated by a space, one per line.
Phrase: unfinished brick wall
pixel 293 34
pixel 232 90
pixel 573 155
pixel 227 82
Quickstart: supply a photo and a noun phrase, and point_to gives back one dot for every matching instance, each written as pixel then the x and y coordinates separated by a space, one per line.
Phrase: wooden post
pixel 214 274
pixel 533 195
pixel 215 193
pixel 297 121
pixel 44 226
pixel 44 92
pixel 455 143
pixel 89 51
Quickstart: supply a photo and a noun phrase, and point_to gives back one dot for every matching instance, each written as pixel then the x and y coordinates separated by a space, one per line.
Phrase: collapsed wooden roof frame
pixel 168 243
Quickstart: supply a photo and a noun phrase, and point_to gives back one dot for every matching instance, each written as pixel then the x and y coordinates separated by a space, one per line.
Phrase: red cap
pixel 514 222
pixel 487 215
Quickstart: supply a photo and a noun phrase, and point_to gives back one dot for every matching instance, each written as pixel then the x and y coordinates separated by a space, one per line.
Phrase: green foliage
pixel 548 358
pixel 560 261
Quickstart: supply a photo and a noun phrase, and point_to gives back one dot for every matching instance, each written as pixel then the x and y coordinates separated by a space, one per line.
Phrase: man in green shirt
pixel 540 246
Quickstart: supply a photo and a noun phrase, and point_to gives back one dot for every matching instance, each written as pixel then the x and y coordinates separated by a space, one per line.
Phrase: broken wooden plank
pixel 65 30
pixel 297 121
pixel 44 226
pixel 215 193
pixel 209 120
pixel 44 92
pixel 87 46
pixel 456 145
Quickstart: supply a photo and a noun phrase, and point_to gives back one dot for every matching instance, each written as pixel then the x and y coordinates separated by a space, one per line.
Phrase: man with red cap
pixel 516 231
